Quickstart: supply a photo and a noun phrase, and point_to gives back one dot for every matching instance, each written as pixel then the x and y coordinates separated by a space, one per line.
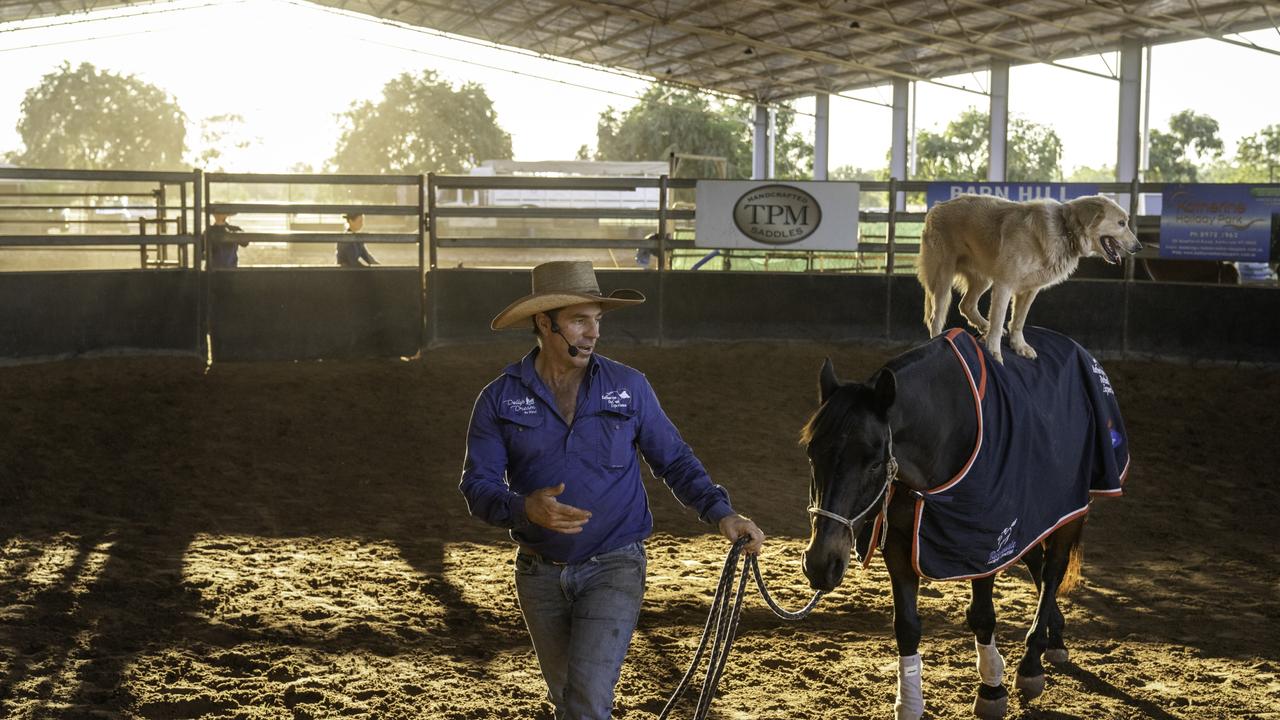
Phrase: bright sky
pixel 289 68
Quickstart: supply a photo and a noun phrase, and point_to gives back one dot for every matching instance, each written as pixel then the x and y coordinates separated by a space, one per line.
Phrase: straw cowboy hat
pixel 561 284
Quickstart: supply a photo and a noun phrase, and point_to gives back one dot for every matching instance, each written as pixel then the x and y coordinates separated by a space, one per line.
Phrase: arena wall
pixel 1209 322
pixel 331 313
pixel 314 313
pixel 56 314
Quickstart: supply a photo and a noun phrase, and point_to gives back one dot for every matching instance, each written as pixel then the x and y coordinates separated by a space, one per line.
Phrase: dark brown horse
pixel 883 451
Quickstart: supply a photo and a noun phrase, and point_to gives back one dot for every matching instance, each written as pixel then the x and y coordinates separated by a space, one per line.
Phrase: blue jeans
pixel 581 618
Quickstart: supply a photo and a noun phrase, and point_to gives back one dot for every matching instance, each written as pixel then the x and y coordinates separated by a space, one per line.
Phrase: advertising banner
pixel 1017 191
pixel 772 215
pixel 1220 222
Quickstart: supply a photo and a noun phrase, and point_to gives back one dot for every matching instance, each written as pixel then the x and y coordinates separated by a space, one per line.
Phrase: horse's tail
pixel 1074 572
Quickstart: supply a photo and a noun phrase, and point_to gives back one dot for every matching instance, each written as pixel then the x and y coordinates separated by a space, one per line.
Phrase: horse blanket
pixel 1049 437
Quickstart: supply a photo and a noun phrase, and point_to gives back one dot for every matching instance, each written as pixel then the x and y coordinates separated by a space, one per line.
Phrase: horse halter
pixel 890 474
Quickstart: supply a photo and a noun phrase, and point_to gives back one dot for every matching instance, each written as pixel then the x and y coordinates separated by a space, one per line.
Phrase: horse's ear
pixel 828 383
pixel 885 386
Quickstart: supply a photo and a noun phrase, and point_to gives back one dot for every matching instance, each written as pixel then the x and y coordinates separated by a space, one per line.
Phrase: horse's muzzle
pixel 824 570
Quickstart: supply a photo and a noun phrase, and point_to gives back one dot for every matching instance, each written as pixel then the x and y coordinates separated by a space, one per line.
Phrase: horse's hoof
pixel 1057 656
pixel 1029 688
pixel 994 705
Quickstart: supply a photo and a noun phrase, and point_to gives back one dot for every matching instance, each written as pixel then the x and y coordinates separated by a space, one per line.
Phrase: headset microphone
pixel 555 328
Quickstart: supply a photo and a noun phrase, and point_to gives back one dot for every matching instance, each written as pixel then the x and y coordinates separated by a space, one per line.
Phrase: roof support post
pixel 771 164
pixel 761 144
pixel 821 134
pixel 898 151
pixel 997 143
pixel 1128 136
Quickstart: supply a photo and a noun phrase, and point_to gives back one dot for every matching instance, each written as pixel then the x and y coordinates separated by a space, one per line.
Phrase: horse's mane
pixel 833 416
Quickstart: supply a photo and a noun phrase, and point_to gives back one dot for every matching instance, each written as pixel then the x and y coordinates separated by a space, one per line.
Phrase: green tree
pixel 1086 174
pixel 1034 152
pixel 1174 156
pixel 83 118
pixel 671 119
pixel 222 138
pixel 849 172
pixel 1258 155
pixel 961 151
pixel 792 154
pixel 421 124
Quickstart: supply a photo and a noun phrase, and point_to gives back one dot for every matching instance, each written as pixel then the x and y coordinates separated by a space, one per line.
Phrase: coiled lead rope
pixel 725 624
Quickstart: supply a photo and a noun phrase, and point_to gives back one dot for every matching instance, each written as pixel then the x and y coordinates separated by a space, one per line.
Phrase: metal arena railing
pixel 169 225
pixel 220 183
pixel 59 202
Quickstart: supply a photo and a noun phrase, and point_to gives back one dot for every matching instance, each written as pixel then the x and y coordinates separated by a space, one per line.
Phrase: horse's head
pixel 849 444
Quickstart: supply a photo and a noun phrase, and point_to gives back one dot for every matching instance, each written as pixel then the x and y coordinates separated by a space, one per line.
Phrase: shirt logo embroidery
pixel 616 399
pixel 524 406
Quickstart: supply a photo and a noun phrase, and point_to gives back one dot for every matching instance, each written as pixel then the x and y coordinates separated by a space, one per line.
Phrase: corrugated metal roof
pixel 771 50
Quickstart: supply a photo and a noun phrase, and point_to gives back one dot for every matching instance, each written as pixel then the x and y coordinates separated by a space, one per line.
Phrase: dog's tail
pixel 928 237
pixel 934 270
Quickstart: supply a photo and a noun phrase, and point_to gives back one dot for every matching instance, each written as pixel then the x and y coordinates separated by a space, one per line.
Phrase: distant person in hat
pixel 351 253
pixel 224 250
pixel 551 456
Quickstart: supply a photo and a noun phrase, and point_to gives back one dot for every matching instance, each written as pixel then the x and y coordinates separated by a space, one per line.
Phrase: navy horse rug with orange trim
pixel 1050 436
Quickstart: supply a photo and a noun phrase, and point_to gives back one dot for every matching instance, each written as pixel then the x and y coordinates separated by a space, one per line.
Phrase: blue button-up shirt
pixel 224 249
pixel 518 442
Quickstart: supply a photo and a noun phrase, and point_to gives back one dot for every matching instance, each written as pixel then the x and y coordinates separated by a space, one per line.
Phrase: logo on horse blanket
pixel 1050 436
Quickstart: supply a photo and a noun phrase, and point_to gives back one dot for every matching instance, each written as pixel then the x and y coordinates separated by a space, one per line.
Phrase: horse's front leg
pixel 992 700
pixel 909 704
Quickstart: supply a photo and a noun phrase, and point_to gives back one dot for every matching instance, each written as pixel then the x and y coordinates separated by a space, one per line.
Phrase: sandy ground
pixel 285 540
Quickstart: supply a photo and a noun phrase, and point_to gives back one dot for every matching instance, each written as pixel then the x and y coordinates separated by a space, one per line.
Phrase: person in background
pixel 224 250
pixel 351 253
pixel 552 457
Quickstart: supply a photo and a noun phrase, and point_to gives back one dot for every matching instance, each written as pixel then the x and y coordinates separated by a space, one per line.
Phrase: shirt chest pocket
pixel 618 430
pixel 520 434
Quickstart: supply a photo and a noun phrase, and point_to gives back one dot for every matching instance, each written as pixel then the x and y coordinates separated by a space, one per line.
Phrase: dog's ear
pixel 1087 211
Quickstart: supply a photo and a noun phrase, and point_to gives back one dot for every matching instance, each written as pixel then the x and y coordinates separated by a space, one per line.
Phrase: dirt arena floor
pixel 286 540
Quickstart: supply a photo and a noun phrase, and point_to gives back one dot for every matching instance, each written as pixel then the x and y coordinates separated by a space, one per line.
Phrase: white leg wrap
pixel 910 702
pixel 990 664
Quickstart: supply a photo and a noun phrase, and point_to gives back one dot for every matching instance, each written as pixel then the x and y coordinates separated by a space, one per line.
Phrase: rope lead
pixel 725 624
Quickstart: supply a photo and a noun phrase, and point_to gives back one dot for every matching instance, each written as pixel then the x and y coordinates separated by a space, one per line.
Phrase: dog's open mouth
pixel 1111 249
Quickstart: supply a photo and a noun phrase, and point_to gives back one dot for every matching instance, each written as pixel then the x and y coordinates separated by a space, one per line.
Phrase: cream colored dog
pixel 976 242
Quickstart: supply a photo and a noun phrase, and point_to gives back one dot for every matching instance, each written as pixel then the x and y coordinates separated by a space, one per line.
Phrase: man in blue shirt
pixel 551 455
pixel 224 249
pixel 351 253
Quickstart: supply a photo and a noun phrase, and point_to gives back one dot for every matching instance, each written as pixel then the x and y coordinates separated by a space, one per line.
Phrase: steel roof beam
pixel 740 38
pixel 933 36
pixel 640 28
pixel 1171 27
pixel 675 40
pixel 844 78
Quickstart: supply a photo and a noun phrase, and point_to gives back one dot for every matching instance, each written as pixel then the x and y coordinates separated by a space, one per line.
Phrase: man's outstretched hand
pixel 735 526
pixel 542 508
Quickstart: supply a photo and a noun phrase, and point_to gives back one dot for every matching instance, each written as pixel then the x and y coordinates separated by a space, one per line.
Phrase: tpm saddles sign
pixel 766 215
